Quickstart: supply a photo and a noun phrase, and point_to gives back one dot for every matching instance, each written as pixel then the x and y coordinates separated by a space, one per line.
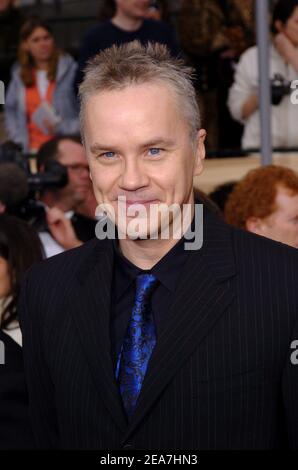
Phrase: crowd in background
pixel 216 37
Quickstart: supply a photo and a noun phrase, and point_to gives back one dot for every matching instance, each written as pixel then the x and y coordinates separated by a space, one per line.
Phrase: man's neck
pixel 145 253
pixel 127 23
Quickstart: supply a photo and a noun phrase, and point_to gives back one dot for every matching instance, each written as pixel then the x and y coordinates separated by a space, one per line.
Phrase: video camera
pixel 24 204
pixel 279 88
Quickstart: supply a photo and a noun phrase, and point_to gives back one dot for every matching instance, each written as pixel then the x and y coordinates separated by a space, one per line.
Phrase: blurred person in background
pixel 62 203
pixel 129 22
pixel 40 102
pixel 265 202
pixel 19 249
pixel 155 11
pixel 213 34
pixel 243 100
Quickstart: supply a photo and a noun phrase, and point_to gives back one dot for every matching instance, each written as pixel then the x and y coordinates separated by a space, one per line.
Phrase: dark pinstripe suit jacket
pixel 221 376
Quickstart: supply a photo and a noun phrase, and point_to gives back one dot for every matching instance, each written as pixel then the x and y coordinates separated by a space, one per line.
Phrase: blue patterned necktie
pixel 138 344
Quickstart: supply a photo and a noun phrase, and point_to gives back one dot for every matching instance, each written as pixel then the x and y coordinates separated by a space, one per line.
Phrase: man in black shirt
pixel 128 24
pixel 167 271
pixel 141 341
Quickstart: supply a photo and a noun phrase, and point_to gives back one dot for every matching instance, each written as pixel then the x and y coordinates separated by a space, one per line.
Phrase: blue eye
pixel 108 154
pixel 154 151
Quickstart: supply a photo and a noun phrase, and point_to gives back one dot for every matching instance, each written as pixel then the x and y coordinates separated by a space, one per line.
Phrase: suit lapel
pixel 204 293
pixel 90 305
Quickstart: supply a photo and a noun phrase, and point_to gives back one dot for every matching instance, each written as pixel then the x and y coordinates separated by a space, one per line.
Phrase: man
pixel 63 202
pixel 266 202
pixel 129 23
pixel 140 341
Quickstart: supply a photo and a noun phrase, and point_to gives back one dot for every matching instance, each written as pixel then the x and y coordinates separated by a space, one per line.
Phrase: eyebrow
pixel 95 148
pixel 158 141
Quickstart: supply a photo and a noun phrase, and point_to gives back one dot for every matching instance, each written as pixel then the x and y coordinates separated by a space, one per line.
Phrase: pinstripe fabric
pixel 220 376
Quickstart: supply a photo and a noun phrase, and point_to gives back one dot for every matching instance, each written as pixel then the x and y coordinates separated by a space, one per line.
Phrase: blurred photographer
pixel 64 228
pixel 243 98
pixel 58 200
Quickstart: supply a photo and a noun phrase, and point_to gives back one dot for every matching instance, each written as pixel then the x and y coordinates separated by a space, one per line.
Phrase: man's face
pixel 72 155
pixel 138 145
pixel 136 9
pixel 282 224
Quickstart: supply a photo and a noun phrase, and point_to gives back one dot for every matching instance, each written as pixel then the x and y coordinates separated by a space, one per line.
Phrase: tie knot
pixel 145 284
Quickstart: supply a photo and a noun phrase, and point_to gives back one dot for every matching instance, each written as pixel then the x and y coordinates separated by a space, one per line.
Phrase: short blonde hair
pixel 132 64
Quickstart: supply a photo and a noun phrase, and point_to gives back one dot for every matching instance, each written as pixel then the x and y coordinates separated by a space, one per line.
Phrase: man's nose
pixel 132 176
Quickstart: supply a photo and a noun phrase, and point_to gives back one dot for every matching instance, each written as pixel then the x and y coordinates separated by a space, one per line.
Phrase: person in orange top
pixel 40 102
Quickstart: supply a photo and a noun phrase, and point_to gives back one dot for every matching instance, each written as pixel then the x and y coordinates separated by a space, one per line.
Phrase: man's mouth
pixel 126 204
pixel 142 202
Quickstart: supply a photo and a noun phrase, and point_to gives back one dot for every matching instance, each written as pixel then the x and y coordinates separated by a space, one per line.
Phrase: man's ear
pixel 200 152
pixel 254 225
pixel 90 176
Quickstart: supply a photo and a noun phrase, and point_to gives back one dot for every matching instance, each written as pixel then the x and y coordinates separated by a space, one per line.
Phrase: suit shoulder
pixel 48 284
pixel 62 267
pixel 263 243
pixel 265 256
